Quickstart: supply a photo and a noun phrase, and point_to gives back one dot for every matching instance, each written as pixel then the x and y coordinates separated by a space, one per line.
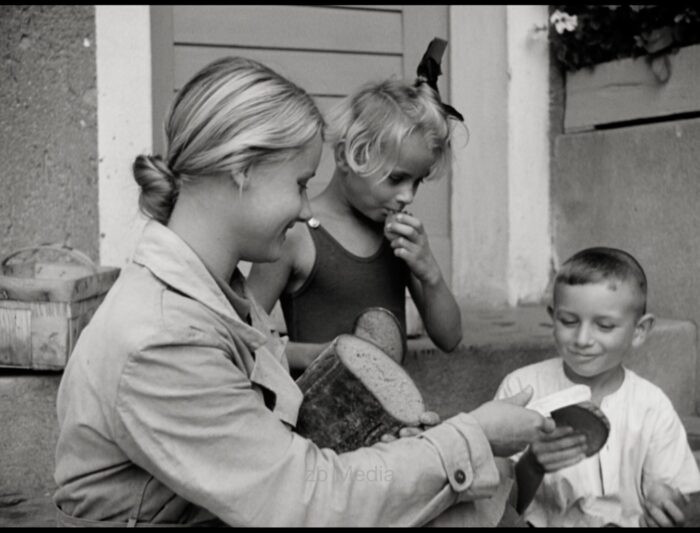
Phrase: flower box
pixel 633 89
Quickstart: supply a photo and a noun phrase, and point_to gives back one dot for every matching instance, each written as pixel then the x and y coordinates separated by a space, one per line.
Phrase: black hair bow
pixel 429 70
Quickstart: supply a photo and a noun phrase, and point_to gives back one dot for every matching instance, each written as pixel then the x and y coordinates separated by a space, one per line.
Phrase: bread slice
pixel 573 407
pixel 586 418
pixel 571 395
pixel 381 326
pixel 353 394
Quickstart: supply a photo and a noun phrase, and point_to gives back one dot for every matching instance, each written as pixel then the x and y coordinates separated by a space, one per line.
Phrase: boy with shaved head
pixel 642 473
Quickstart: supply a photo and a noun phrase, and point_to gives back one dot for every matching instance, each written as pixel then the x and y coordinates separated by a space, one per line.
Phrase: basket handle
pixel 64 248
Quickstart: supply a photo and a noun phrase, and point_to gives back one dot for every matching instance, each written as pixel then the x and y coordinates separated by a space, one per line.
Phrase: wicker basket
pixel 48 293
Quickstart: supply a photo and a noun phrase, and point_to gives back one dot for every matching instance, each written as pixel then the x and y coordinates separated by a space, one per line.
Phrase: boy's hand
pixel 508 426
pixel 407 236
pixel 427 419
pixel 559 449
pixel 663 507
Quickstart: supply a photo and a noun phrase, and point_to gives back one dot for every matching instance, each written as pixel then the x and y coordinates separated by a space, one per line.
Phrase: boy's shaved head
pixel 594 265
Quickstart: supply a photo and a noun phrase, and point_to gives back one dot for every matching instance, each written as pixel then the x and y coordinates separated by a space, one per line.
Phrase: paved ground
pixel 499 326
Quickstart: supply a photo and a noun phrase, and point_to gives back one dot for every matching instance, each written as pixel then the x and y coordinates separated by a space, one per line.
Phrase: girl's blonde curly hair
pixel 371 124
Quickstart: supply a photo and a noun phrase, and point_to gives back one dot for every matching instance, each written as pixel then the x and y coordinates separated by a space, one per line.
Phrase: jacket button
pixel 460 476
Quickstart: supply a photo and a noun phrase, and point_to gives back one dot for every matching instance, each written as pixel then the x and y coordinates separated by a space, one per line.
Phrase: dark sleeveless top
pixel 340 286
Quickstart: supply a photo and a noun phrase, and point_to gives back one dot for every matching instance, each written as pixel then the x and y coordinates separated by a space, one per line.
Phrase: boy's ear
pixel 550 311
pixel 642 329
pixel 339 155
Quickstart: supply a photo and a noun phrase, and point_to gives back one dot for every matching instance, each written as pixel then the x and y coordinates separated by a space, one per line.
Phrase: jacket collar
pixel 171 260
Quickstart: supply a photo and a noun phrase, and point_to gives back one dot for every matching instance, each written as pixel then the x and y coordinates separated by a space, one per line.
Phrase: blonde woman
pixel 177 407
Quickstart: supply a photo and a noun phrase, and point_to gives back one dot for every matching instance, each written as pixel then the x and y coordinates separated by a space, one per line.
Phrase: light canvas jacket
pixel 172 409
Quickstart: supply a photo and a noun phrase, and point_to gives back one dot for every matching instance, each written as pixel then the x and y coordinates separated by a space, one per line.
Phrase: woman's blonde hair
pixel 232 114
pixel 371 124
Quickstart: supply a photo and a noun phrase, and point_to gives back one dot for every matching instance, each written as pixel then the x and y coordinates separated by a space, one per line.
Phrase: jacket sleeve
pixel 192 419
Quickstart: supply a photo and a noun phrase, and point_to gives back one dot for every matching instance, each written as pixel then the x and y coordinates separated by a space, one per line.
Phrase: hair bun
pixel 158 184
pixel 163 167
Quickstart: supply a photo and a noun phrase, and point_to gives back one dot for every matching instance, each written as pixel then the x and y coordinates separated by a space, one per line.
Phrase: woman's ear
pixel 339 154
pixel 240 180
pixel 642 329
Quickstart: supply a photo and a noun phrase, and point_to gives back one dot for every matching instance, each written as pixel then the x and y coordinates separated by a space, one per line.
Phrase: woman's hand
pixel 427 420
pixel 509 426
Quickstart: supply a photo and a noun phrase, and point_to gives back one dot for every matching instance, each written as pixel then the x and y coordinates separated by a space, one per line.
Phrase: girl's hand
pixel 663 507
pixel 407 236
pixel 559 449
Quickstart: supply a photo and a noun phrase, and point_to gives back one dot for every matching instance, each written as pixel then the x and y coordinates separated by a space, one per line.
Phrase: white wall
pixel 529 240
pixel 124 109
pixel 500 195
pixel 479 200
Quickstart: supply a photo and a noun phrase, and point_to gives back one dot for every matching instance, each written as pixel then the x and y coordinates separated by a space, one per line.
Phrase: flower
pixel 563 21
pixel 582 36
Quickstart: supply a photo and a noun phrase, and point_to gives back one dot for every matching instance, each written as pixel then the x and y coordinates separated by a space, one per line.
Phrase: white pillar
pixel 529 241
pixel 124 123
pixel 500 195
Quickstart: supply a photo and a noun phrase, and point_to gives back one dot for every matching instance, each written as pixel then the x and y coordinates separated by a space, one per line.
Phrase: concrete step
pixel 27 446
pixel 29 430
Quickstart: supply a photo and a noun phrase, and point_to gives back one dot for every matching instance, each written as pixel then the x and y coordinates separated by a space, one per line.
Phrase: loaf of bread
pixel 353 394
pixel 380 326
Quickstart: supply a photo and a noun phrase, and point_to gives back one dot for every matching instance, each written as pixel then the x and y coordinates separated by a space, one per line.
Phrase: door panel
pixel 285 27
pixel 320 73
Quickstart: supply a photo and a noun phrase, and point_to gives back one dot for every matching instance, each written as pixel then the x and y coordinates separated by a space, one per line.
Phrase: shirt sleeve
pixel 669 458
pixel 191 418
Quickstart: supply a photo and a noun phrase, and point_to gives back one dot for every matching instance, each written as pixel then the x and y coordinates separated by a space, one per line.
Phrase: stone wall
pixel 48 127
pixel 635 188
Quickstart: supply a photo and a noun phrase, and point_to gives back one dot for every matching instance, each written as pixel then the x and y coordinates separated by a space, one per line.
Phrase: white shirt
pixel 647 443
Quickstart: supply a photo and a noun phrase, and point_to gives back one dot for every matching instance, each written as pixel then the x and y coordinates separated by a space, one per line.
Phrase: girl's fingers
pixel 404 225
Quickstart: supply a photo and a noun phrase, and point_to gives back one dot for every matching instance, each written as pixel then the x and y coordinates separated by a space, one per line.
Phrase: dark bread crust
pixel 585 418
